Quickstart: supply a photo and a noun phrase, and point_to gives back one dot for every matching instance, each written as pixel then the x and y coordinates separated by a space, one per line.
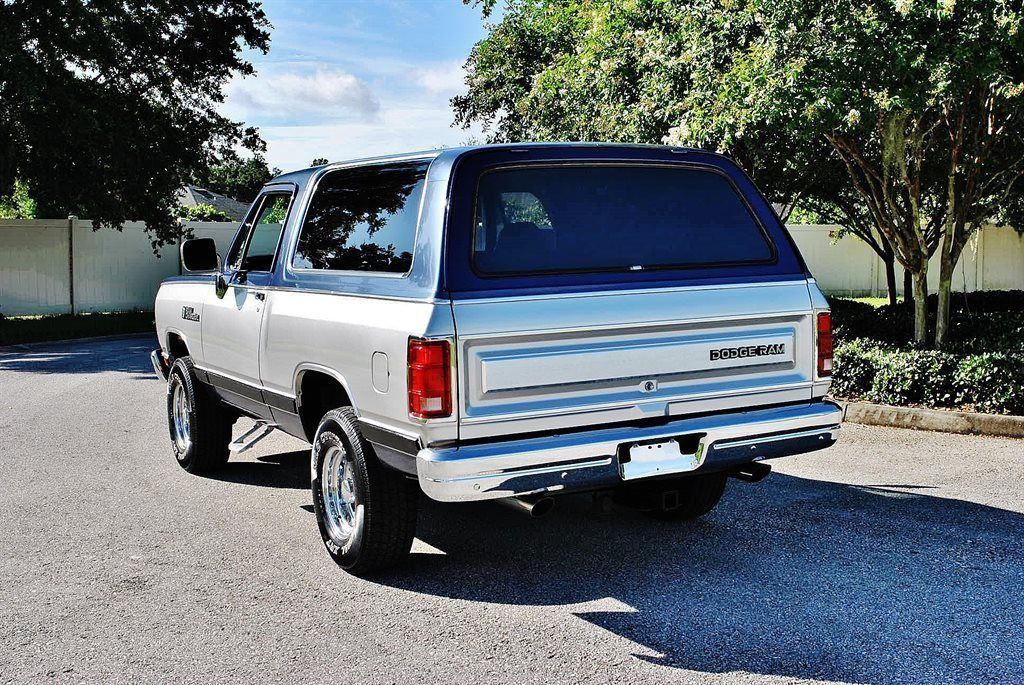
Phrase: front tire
pixel 366 512
pixel 200 427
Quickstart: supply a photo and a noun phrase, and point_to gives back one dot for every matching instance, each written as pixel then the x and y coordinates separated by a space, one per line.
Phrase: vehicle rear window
pixel 563 219
pixel 363 219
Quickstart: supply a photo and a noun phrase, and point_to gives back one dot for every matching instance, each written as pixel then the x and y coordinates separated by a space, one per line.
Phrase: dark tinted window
pixel 597 218
pixel 363 219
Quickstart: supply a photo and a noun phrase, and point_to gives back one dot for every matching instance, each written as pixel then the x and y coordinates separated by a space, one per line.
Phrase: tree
pixel 320 161
pixel 19 204
pixel 922 103
pixel 621 72
pixel 919 103
pixel 238 178
pixel 202 212
pixel 107 108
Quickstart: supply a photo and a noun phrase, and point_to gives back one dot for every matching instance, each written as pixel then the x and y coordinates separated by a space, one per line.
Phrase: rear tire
pixel 200 426
pixel 366 511
pixel 679 499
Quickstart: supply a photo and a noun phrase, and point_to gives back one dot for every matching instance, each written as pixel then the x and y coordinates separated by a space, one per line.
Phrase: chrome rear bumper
pixel 596 459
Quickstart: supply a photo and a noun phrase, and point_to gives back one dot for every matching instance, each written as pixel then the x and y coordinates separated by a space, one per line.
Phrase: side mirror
pixel 199 255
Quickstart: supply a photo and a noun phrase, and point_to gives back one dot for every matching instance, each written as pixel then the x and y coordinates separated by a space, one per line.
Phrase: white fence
pixel 53 266
pixel 993 260
pixel 56 266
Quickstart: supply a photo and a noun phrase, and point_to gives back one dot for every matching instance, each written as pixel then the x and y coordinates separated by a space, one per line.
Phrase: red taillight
pixel 824 344
pixel 430 379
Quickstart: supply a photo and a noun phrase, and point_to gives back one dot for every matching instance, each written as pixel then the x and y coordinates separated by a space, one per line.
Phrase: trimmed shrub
pixel 915 377
pixel 855 367
pixel 992 383
pixel 982 369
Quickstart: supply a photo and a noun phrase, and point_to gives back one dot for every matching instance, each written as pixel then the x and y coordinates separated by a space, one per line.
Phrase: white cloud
pixel 442 78
pixel 331 92
pixel 399 129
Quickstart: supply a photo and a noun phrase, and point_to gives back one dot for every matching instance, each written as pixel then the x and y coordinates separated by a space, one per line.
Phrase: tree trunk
pixel 946 266
pixel 890 277
pixel 908 286
pixel 921 306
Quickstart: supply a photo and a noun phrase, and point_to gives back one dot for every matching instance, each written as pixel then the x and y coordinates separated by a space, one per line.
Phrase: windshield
pixel 562 219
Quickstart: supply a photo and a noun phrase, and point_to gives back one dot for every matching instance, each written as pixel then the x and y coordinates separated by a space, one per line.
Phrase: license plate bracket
pixel 661 457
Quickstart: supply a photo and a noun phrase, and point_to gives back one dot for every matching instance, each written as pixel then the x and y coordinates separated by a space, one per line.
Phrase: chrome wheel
pixel 342 509
pixel 180 413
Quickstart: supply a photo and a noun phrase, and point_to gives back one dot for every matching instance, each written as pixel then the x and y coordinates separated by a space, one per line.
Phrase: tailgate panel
pixel 512 368
pixel 536 363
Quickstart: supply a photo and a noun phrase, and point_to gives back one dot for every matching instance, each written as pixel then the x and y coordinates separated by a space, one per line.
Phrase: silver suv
pixel 506 322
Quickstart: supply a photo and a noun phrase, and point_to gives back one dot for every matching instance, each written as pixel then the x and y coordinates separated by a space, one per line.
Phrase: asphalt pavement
pixel 894 557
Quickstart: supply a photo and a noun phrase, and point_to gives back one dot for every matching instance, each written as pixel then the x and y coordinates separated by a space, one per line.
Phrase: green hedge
pixel 981 370
pixel 18 330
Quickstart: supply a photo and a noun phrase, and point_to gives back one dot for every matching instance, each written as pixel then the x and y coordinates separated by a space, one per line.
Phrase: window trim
pixel 772 247
pixel 249 222
pixel 311 195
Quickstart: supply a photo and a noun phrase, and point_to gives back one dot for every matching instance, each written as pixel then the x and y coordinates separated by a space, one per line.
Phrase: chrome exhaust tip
pixel 754 472
pixel 533 506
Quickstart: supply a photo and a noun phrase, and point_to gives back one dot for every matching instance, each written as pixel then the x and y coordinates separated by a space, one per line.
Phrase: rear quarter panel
pixel 339 334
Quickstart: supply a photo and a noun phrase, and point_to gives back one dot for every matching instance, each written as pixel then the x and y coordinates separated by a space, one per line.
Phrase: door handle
pixel 260 296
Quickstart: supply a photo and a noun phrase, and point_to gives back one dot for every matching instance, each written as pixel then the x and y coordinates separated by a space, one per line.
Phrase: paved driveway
pixel 895 557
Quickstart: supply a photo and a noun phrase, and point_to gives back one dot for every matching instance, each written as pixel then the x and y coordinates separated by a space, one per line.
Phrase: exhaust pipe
pixel 533 506
pixel 754 472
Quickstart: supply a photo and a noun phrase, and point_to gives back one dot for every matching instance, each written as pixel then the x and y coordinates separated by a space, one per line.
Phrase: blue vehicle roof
pixel 451 212
pixel 450 154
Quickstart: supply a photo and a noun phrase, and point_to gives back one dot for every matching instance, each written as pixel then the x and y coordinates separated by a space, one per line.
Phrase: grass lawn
pixel 15 330
pixel 874 301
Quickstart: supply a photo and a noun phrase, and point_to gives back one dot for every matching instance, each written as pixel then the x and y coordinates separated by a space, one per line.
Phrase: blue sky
pixel 351 78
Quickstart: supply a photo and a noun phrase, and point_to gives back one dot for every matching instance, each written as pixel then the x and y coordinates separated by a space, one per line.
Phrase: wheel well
pixel 176 346
pixel 318 394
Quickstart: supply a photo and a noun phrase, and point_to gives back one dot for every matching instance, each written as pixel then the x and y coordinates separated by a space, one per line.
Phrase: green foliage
pixel 238 178
pixel 107 109
pixel 16 330
pixel 277 212
pixel 898 120
pixel 983 370
pixel 915 377
pixel 623 72
pixel 319 161
pixel 202 212
pixel 18 205
pixel 992 382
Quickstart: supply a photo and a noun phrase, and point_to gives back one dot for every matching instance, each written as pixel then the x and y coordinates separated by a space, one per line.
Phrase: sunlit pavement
pixel 895 557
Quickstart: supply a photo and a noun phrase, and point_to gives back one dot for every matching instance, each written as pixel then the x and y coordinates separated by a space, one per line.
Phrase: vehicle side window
pixel 363 219
pixel 263 234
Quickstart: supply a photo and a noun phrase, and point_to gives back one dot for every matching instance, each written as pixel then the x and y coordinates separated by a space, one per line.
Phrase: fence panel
pixel 118 270
pixel 34 269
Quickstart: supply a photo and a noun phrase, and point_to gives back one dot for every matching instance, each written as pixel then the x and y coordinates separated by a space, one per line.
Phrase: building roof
pixel 191 196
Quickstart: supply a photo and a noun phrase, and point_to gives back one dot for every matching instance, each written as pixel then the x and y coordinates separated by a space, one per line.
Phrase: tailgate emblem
pixel 748 351
pixel 649 386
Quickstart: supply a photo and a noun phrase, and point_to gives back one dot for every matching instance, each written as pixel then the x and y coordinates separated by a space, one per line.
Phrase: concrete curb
pixel 942 420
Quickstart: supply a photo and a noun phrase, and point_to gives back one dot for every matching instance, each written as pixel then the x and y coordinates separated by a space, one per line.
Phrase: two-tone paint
pixel 535 356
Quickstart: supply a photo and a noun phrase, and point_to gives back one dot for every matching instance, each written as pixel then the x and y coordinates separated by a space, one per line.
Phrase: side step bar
pixel 259 430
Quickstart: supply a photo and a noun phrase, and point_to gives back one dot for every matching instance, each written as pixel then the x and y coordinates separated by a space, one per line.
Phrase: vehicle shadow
pixel 126 355
pixel 288 470
pixel 794 578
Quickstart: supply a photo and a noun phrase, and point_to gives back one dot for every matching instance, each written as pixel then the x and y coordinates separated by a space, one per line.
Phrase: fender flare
pixel 302 368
